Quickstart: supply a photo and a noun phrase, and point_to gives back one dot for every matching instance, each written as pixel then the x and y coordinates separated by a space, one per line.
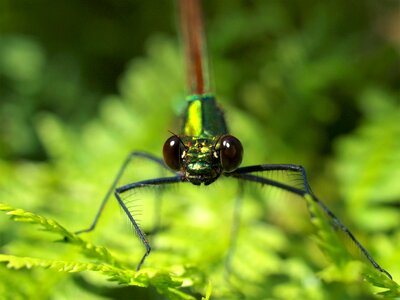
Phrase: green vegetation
pixel 310 83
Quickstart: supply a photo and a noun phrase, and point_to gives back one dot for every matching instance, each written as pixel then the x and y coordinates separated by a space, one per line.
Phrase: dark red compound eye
pixel 231 153
pixel 172 153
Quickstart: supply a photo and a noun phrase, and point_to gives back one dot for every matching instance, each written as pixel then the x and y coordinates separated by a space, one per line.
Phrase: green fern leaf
pixel 165 282
pixel 50 225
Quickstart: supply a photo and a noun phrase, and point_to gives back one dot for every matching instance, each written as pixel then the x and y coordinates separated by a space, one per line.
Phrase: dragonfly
pixel 205 150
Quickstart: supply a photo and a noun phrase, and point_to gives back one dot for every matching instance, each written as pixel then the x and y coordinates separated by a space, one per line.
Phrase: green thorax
pixel 203 117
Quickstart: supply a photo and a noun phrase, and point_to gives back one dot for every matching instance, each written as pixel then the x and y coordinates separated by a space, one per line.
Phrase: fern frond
pixel 208 292
pixel 378 279
pixel 50 225
pixel 164 282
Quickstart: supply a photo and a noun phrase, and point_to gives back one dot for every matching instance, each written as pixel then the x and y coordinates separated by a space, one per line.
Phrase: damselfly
pixel 204 150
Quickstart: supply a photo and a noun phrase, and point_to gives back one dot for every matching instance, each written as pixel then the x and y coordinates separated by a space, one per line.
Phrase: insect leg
pixel 245 174
pixel 115 182
pixel 277 167
pixel 141 184
pixel 234 231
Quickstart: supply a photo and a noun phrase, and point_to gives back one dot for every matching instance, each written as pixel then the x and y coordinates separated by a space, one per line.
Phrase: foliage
pixel 165 282
pixel 299 84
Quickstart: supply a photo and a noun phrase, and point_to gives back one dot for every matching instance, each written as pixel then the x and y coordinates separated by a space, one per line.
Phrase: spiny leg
pixel 277 167
pixel 234 231
pixel 244 173
pixel 115 182
pixel 142 184
pixel 158 202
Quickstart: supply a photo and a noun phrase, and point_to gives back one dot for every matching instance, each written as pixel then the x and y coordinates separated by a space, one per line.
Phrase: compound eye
pixel 231 153
pixel 172 153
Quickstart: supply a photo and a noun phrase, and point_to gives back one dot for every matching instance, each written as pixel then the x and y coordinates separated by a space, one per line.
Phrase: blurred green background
pixel 314 83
